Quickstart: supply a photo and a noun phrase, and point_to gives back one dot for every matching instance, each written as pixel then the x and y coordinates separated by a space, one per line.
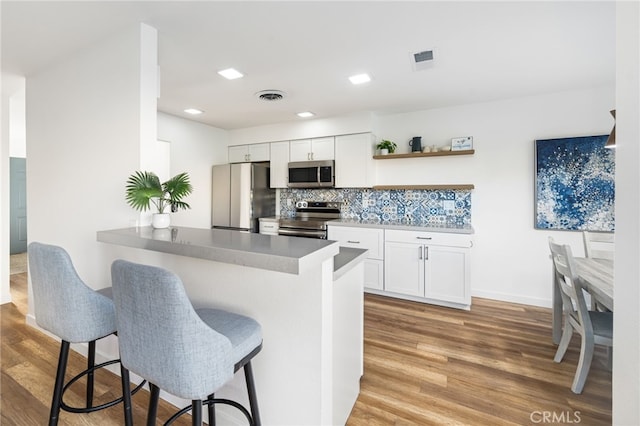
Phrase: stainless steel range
pixel 310 220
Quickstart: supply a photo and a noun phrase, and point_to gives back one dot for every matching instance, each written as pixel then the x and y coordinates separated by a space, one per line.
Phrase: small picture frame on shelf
pixel 462 144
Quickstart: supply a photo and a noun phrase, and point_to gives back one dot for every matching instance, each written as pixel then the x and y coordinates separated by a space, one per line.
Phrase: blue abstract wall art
pixel 575 184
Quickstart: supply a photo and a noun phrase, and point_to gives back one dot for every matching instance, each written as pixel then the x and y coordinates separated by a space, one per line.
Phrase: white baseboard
pixel 507 297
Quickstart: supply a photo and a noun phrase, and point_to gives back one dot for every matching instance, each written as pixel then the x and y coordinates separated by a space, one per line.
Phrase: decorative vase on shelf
pixel 384 151
pixel 161 220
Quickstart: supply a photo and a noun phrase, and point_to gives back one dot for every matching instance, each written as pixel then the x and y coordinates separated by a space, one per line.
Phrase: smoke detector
pixel 422 60
pixel 270 95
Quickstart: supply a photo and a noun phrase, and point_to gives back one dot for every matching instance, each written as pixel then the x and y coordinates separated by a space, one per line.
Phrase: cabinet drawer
pixel 429 238
pixel 365 238
pixel 269 227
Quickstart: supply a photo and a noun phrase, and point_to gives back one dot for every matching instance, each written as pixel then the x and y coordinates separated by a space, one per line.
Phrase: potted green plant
pixel 144 189
pixel 386 147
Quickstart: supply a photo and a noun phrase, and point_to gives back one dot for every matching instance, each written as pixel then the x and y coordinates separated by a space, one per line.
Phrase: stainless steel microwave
pixel 311 174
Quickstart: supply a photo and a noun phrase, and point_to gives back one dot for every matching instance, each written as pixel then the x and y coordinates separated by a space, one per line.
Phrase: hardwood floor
pixel 423 365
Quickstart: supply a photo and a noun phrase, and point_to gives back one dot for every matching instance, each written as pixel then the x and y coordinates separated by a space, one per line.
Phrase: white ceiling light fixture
pixel 193 111
pixel 360 79
pixel 231 73
pixel 305 114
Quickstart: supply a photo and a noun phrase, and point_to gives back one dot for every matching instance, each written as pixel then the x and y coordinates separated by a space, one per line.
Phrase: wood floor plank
pixel 423 365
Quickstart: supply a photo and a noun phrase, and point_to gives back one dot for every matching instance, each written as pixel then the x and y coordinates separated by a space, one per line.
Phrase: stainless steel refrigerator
pixel 241 195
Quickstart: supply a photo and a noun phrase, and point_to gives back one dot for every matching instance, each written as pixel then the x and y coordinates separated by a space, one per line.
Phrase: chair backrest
pixel 599 245
pixel 567 279
pixel 162 338
pixel 63 303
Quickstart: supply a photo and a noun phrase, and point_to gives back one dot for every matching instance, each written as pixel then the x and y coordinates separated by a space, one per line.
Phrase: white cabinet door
pixel 238 154
pixel 447 274
pixel 249 153
pixel 371 239
pixel 259 152
pixel 354 161
pixel 404 268
pixel 322 149
pixel 300 150
pixel 374 274
pixel 279 170
pixel 312 149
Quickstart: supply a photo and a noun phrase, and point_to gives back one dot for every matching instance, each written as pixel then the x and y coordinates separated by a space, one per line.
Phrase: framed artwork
pixel 462 144
pixel 575 184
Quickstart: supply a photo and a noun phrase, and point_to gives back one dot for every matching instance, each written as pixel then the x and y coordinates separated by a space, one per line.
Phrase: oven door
pixel 311 174
pixel 308 233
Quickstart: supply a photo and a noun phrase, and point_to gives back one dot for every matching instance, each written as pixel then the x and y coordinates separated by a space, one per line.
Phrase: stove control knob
pixel 301 204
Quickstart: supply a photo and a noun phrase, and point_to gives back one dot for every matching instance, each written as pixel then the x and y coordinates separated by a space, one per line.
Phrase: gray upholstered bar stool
pixel 65 306
pixel 190 353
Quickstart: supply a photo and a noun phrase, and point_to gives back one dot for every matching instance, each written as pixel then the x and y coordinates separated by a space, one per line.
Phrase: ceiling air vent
pixel 422 60
pixel 270 95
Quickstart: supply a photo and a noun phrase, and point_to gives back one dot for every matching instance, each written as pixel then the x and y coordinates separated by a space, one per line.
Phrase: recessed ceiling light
pixel 359 78
pixel 193 111
pixel 305 114
pixel 230 73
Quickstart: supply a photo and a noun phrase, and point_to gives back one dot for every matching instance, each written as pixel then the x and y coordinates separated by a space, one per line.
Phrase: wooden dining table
pixel 597 278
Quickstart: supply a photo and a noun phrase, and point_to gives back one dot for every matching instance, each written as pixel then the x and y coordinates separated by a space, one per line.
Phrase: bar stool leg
pixel 126 396
pixel 212 410
pixel 251 390
pixel 196 412
pixel 57 389
pixel 91 361
pixel 152 413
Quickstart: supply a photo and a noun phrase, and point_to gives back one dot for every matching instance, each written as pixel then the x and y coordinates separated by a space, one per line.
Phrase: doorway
pixel 18 205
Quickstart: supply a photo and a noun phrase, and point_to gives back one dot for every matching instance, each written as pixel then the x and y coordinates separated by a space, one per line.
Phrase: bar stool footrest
pixel 116 401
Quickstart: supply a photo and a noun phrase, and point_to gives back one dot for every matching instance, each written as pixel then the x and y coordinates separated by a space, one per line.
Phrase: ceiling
pixel 483 51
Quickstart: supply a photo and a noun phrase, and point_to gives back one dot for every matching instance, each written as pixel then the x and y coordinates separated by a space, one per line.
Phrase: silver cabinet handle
pixel 353 242
pixel 420 255
pixel 424 238
pixel 426 253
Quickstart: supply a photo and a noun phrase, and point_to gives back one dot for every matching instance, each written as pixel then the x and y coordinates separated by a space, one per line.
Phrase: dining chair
pixel 599 245
pixel 187 352
pixel 65 306
pixel 594 327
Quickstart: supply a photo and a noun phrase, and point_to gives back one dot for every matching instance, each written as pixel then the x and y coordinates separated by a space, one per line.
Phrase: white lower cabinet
pixel 428 266
pixel 371 239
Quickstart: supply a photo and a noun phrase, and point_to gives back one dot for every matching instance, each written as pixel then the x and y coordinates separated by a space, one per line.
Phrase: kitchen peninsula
pixel 307 294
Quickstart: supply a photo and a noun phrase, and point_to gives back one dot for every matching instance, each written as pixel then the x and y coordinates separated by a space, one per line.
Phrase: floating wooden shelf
pixel 428 187
pixel 424 154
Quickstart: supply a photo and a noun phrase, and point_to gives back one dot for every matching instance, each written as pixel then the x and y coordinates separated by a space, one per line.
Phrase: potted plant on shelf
pixel 386 147
pixel 144 189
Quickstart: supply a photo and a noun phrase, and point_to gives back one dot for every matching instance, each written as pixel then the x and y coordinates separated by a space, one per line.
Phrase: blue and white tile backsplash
pixel 436 207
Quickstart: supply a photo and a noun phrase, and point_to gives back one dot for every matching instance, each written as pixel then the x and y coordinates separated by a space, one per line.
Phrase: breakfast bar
pixel 307 294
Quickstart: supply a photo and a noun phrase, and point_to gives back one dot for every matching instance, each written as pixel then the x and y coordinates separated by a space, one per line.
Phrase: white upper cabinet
pixel 279 164
pixel 312 149
pixel 354 161
pixel 249 153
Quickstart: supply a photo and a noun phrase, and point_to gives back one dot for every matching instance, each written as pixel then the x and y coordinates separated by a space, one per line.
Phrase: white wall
pixel 303 129
pixel 86 117
pixel 510 258
pixel 195 147
pixel 626 320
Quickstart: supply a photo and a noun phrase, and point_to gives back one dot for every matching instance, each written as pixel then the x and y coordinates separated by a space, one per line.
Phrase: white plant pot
pixel 384 151
pixel 161 220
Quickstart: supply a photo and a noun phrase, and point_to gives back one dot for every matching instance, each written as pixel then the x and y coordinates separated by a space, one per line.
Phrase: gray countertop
pixel 271 252
pixel 347 259
pixel 410 226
